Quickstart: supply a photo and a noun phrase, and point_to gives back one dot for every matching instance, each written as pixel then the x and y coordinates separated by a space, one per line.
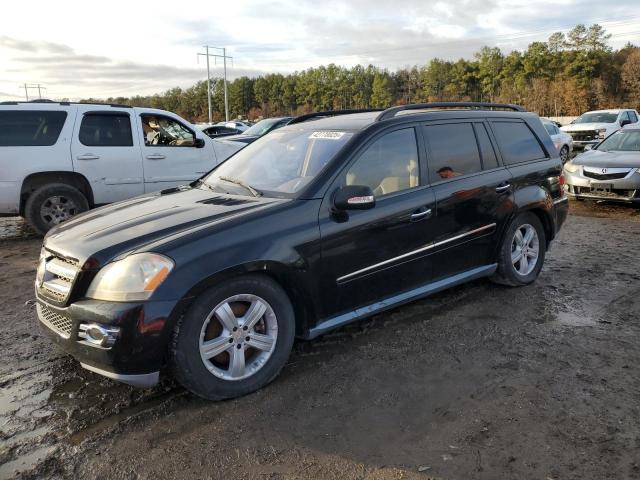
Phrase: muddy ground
pixel 479 382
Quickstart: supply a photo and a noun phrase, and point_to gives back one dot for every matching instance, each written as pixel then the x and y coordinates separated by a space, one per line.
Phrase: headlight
pixel 602 132
pixel 130 279
pixel 571 167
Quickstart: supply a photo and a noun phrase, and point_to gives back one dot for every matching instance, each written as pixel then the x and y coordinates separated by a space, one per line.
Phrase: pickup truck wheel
pixel 234 339
pixel 52 204
pixel 522 251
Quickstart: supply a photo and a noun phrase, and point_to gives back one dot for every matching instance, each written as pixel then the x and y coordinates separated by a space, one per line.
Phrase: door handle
pixel 420 214
pixel 88 156
pixel 503 188
pixel 155 156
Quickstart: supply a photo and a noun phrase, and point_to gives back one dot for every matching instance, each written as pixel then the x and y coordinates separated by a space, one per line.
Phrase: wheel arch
pixel 537 200
pixel 36 180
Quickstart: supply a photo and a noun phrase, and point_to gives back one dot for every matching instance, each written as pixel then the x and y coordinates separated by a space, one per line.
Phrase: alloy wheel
pixel 238 337
pixel 57 209
pixel 525 249
pixel 564 154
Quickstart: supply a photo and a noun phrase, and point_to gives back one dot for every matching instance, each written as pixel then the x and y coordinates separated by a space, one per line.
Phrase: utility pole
pixel 28 86
pixel 224 58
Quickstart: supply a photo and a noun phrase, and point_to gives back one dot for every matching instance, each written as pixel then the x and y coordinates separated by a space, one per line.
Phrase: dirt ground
pixel 479 382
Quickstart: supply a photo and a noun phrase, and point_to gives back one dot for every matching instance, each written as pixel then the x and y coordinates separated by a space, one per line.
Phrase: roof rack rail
pixel 44 100
pixel 391 112
pixel 330 113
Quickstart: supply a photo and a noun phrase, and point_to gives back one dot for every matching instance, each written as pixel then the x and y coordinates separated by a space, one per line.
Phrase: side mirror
pixel 354 197
pixel 624 122
pixel 199 143
pixel 588 146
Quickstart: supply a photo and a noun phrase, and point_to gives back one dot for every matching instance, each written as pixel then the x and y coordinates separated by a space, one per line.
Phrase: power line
pixel 224 58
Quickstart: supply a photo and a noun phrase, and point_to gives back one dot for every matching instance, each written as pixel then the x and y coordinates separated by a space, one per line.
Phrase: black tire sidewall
pixel 506 267
pixel 37 198
pixel 565 149
pixel 185 354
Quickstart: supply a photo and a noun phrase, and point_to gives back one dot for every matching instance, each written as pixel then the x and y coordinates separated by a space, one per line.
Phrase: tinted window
pixel 517 142
pixel 389 164
pixel 453 150
pixel 106 130
pixel 551 128
pixel 30 127
pixel 164 131
pixel 489 159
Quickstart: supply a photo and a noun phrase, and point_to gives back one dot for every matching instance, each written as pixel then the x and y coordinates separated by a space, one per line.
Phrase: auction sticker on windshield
pixel 327 135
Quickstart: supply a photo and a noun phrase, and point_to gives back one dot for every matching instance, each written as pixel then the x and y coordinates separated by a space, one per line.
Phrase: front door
pixel 106 152
pixel 473 196
pixel 370 255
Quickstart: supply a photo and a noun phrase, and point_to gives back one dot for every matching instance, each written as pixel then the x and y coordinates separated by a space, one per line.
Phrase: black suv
pixel 309 228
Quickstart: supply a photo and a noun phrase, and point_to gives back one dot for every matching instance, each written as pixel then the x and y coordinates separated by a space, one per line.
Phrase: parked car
pixel 306 229
pixel 608 171
pixel 217 131
pixel 58 159
pixel 259 129
pixel 592 127
pixel 562 140
pixel 239 125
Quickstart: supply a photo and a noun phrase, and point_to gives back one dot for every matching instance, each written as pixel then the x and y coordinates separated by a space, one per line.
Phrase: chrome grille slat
pixel 60 273
pixel 56 322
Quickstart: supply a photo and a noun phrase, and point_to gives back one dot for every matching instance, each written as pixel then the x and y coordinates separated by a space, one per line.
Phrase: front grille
pixel 56 322
pixel 584 135
pixel 59 276
pixel 605 176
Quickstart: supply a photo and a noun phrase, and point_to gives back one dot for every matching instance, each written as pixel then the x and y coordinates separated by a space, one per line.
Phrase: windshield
pixel 262 127
pixel 597 117
pixel 282 162
pixel 626 141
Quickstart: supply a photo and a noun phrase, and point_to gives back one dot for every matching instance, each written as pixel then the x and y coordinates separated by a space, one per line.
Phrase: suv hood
pixel 119 228
pixel 596 158
pixel 578 127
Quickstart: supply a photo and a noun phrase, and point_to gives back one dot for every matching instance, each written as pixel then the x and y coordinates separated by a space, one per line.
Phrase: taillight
pixel 561 182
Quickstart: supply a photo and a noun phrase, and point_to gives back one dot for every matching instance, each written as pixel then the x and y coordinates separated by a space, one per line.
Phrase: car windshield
pixel 596 117
pixel 282 162
pixel 626 141
pixel 262 127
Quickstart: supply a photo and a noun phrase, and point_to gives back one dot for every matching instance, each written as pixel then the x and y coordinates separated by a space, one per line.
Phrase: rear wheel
pixel 52 204
pixel 234 339
pixel 564 154
pixel 522 252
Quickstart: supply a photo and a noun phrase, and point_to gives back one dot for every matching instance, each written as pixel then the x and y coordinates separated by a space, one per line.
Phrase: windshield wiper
pixel 254 192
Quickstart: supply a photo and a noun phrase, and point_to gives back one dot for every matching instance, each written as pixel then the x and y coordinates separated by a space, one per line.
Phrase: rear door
pixel 473 195
pixel 369 255
pixel 169 151
pixel 107 153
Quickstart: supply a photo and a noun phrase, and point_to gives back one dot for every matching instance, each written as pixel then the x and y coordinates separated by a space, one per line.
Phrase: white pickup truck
pixel 591 128
pixel 58 159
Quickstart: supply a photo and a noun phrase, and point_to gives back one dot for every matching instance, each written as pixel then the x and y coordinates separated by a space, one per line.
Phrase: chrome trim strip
pixel 144 380
pixel 61 269
pixel 560 200
pixel 429 246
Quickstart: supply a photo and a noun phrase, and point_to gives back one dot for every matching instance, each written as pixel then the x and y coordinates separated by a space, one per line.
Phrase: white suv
pixel 591 128
pixel 60 159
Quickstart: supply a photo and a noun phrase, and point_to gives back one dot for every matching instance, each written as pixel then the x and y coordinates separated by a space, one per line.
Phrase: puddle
pixel 575 319
pixel 25 462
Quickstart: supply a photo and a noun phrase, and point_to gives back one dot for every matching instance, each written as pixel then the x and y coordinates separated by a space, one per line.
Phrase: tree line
pixel 566 75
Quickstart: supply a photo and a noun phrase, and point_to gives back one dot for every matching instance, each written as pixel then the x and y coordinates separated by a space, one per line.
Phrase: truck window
pixel 106 130
pixel 164 131
pixel 517 142
pixel 633 116
pixel 30 128
pixel 454 151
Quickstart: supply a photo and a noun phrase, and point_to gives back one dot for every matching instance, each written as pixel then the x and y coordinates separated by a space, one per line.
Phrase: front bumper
pixel 138 353
pixel 617 190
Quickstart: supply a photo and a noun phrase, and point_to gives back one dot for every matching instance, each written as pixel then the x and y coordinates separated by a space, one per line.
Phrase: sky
pixel 81 49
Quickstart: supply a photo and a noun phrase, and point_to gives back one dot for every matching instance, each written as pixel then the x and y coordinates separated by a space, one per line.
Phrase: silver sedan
pixel 609 171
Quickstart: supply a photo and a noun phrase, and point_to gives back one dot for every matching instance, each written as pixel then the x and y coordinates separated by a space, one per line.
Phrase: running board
pixel 400 299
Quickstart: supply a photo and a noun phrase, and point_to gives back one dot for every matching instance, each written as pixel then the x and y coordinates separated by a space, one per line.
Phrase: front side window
pixel 388 165
pixel 633 116
pixel 453 151
pixel 106 130
pixel 282 162
pixel 166 132
pixel 517 142
pixel 622 140
pixel 30 128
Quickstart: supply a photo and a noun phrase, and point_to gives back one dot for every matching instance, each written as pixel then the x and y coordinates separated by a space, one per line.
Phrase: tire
pixel 216 378
pixel 52 204
pixel 514 273
pixel 564 154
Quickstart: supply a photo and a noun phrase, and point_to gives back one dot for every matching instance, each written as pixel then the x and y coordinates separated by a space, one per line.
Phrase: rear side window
pixel 30 128
pixel 453 149
pixel 106 130
pixel 517 142
pixel 489 159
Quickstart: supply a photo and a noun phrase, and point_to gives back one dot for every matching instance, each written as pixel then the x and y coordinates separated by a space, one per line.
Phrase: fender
pixel 538 200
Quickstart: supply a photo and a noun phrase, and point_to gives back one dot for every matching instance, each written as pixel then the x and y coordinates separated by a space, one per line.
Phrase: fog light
pixel 96 335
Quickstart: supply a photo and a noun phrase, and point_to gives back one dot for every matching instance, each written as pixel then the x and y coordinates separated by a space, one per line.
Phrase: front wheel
pixel 564 154
pixel 234 339
pixel 522 251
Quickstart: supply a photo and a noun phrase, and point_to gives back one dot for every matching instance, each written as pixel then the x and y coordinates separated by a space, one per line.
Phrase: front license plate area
pixel 601 187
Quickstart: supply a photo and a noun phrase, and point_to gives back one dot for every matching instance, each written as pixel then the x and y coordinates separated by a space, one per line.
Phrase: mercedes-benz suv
pixel 311 227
